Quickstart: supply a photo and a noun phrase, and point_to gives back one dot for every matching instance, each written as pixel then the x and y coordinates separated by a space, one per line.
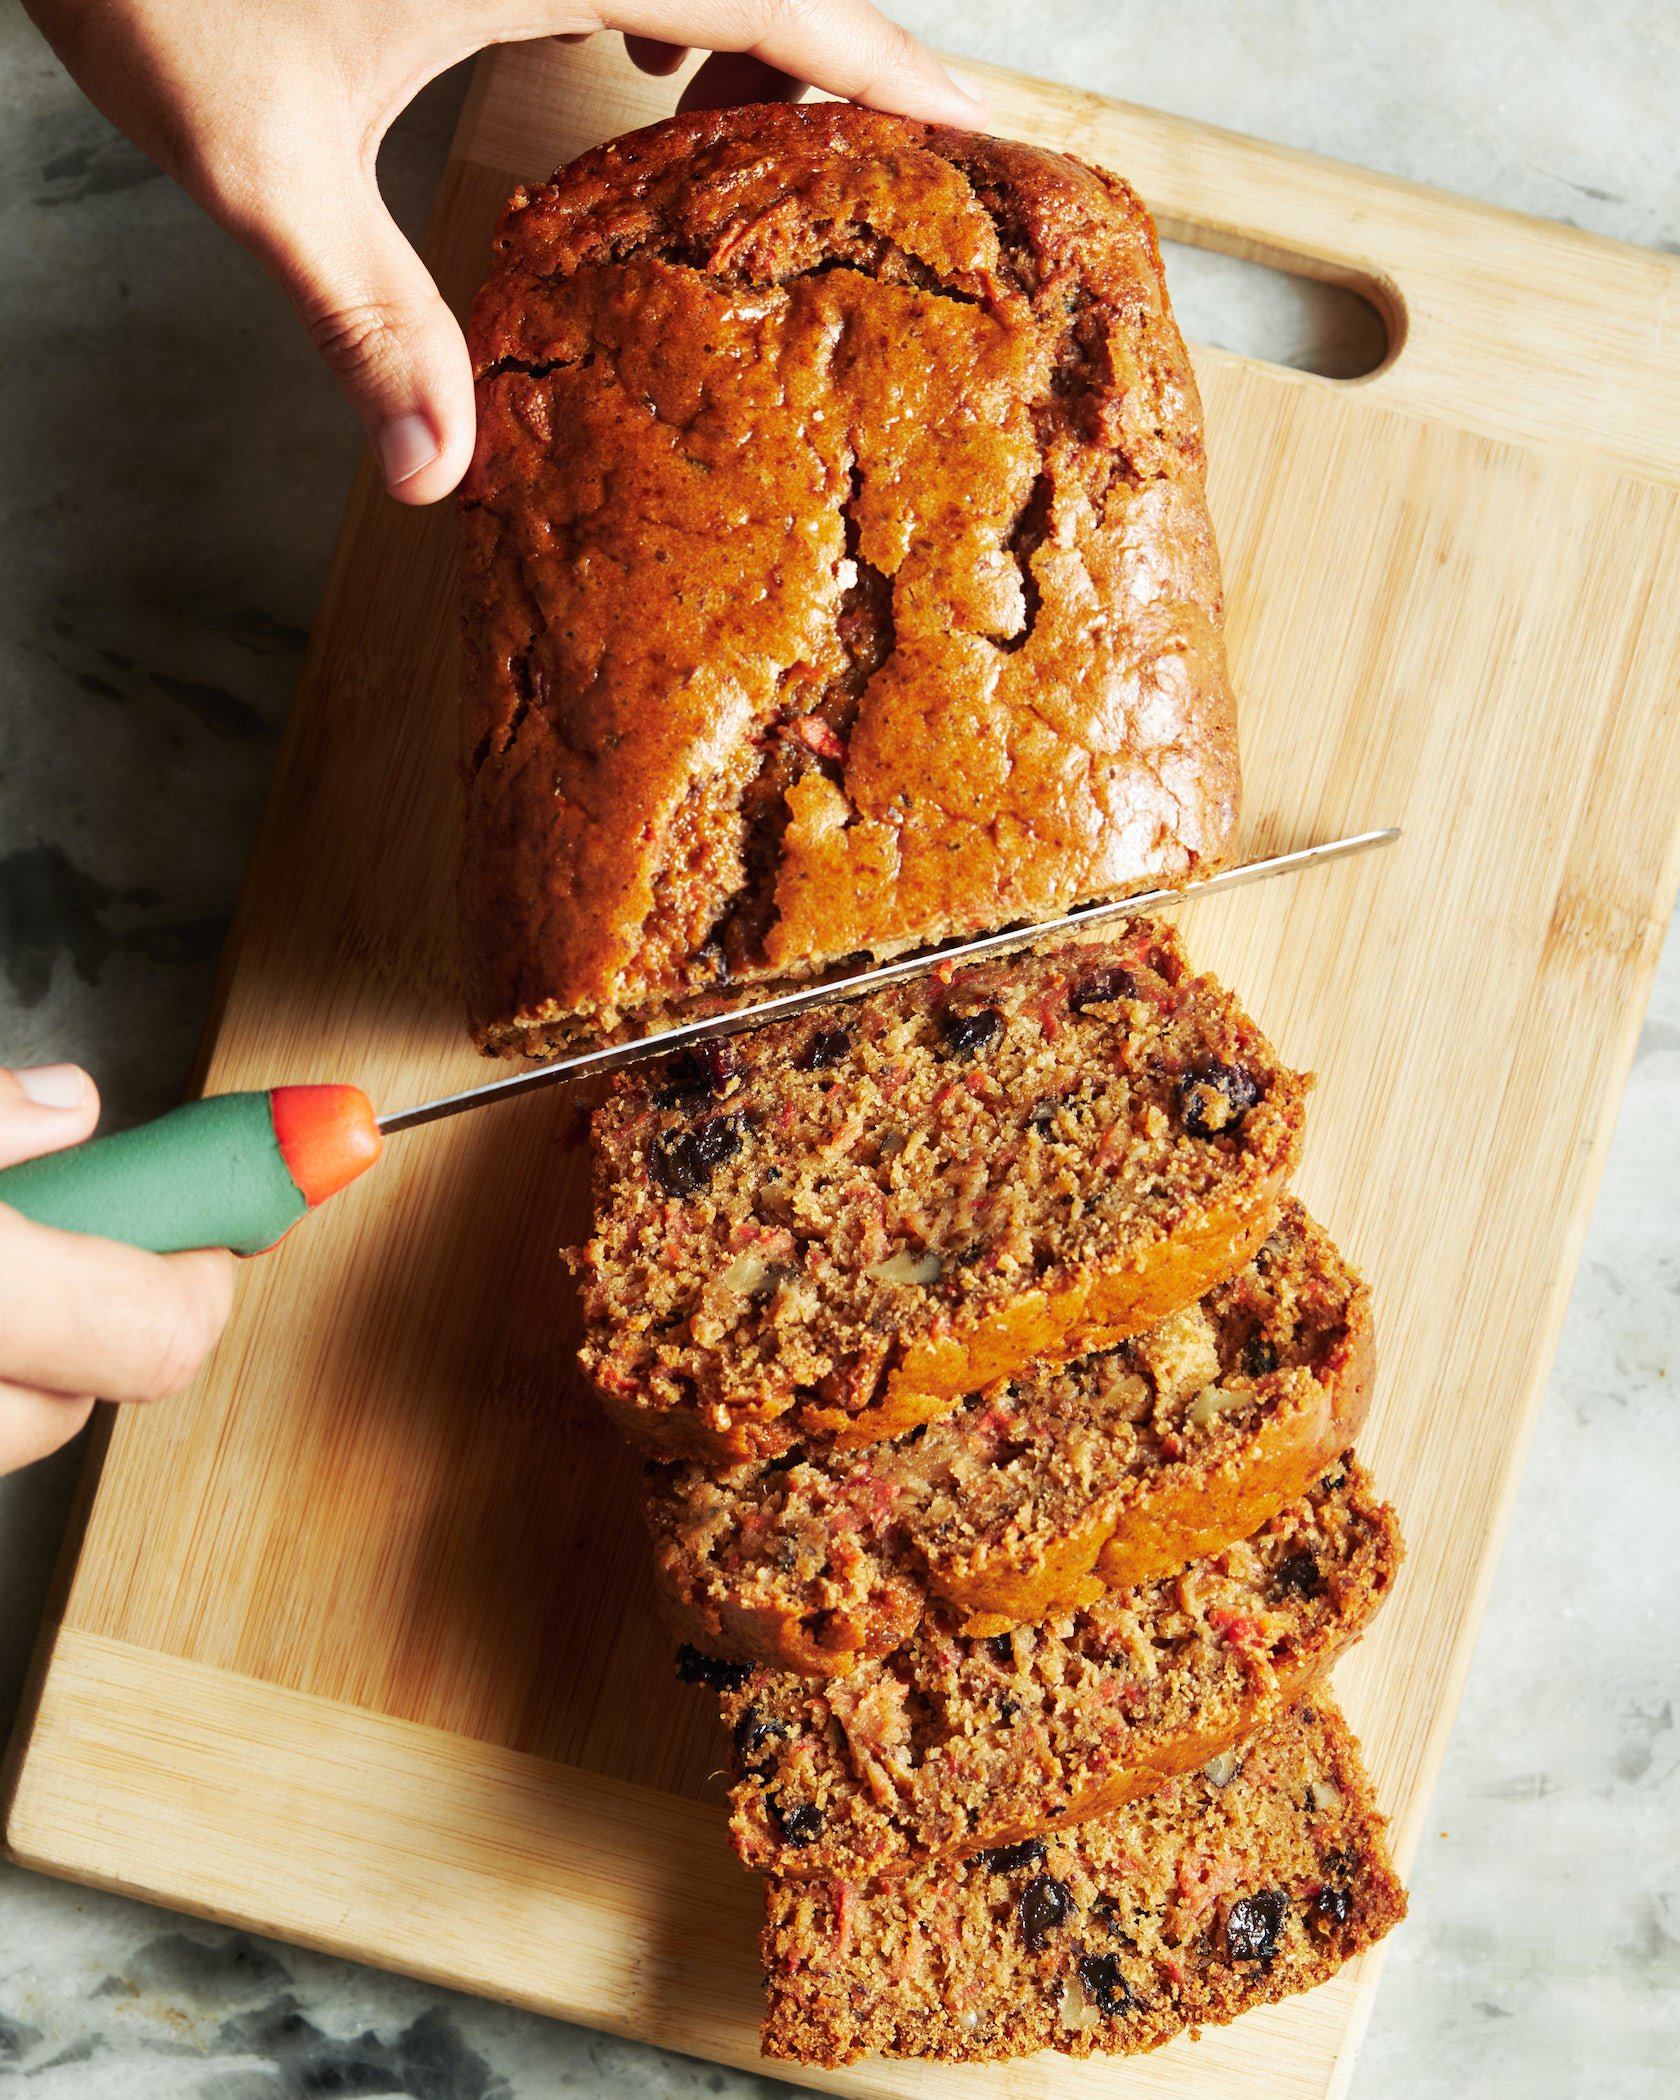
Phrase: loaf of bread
pixel 838 579
pixel 1037 1495
pixel 1234 1886
pixel 953 1743
pixel 837 569
pixel 840 1226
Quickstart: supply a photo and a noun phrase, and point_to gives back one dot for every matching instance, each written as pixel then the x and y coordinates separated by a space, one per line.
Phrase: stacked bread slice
pixel 1000 1402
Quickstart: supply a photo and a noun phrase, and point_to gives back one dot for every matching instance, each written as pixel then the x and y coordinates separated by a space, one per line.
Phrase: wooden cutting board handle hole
pixel 1303 312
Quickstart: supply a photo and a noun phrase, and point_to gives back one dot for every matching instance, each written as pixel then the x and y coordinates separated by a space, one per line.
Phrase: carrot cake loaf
pixel 837 572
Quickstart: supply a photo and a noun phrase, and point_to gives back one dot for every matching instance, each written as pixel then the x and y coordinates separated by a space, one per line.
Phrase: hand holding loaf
pixel 272 119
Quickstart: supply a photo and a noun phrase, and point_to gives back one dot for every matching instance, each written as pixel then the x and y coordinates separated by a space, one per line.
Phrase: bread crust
pixel 1294 1446
pixel 837 572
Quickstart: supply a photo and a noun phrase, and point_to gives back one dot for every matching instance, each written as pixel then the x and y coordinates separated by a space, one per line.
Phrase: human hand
pixel 81 1317
pixel 272 118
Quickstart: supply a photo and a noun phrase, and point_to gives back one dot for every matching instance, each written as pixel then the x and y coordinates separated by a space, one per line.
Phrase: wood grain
pixel 474 1865
pixel 383 1565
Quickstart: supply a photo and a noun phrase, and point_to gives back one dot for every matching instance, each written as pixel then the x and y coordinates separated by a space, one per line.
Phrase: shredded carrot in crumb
pixel 816 735
pixel 1237 1627
pixel 846 1910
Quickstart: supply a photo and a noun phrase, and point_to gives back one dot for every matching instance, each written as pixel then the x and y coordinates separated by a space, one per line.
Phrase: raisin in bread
pixel 1110 1470
pixel 1234 1886
pixel 951 1743
pixel 837 572
pixel 839 1226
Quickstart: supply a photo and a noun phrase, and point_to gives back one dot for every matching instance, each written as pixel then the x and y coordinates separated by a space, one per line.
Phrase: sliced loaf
pixel 840 1226
pixel 1110 1470
pixel 1234 1886
pixel 952 1744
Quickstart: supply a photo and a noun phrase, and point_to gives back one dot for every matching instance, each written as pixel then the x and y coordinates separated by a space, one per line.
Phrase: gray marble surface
pixel 172 467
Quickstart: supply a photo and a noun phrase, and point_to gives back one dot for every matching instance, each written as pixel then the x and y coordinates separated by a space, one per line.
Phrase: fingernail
pixel 971 88
pixel 54 1086
pixel 406 444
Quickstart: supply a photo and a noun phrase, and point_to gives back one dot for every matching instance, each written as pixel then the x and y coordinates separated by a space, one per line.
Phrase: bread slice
pixel 1111 1470
pixel 839 1226
pixel 837 572
pixel 1234 1886
pixel 953 1744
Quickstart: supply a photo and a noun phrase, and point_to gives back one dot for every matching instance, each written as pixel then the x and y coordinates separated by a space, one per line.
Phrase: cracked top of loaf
pixel 837 569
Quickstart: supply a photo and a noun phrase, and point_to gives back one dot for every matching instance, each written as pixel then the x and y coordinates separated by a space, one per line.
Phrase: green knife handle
pixel 207 1174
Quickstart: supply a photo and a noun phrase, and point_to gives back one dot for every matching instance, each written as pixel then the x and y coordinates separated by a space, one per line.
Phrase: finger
pixel 44 1109
pixel 649 55
pixel 845 47
pixel 34 1425
pixel 729 79
pixel 84 1315
pixel 379 322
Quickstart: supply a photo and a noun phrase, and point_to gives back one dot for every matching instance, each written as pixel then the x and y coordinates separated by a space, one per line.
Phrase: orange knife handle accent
pixel 327 1136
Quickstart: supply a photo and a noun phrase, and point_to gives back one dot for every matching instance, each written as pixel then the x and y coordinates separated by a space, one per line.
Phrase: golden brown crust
pixel 756 1631
pixel 837 568
pixel 1224 1891
pixel 1292 1448
pixel 1094 1311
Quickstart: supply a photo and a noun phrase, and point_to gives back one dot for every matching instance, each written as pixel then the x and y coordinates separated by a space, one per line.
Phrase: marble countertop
pixel 174 466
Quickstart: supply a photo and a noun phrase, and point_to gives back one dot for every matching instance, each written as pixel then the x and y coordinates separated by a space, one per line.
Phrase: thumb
pixel 381 325
pixel 44 1109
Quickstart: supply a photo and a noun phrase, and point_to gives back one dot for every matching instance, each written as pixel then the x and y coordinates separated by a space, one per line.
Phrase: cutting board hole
pixel 1283 316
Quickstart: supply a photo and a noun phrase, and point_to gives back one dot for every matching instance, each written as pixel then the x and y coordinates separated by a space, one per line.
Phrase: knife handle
pixel 231 1170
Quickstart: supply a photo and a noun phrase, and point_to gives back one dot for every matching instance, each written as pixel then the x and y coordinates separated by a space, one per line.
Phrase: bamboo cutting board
pixel 358 1647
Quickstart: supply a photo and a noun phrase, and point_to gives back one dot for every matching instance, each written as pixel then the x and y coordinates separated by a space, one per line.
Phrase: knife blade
pixel 240 1170
pixel 858 984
